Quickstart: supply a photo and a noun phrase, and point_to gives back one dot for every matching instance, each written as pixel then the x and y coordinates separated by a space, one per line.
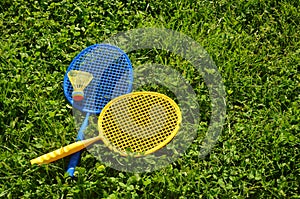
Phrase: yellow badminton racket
pixel 137 123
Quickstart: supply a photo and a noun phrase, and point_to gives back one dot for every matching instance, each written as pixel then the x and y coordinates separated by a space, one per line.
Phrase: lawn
pixel 255 45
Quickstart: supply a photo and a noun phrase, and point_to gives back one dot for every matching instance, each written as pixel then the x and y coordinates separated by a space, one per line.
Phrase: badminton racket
pixel 137 123
pixel 96 75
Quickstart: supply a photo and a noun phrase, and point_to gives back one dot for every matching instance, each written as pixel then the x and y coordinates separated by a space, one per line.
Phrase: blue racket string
pixel 112 77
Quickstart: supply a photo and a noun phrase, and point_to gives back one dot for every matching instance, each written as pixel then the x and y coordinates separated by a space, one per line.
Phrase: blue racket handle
pixel 76 156
pixel 73 163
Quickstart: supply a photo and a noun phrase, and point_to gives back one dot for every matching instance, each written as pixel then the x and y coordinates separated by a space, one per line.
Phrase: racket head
pixel 112 76
pixel 139 123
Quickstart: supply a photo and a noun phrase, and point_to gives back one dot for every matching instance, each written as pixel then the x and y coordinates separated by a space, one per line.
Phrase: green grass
pixel 255 45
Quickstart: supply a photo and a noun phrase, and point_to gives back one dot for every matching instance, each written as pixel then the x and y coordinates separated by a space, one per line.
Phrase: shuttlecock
pixel 79 80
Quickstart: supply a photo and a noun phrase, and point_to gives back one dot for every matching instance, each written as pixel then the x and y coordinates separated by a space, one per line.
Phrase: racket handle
pixel 64 151
pixel 75 158
pixel 73 163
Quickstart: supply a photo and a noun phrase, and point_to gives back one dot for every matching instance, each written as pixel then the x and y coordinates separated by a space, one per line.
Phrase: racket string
pixel 139 123
pixel 112 76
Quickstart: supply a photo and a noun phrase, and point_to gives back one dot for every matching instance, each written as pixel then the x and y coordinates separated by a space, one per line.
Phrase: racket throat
pixel 90 141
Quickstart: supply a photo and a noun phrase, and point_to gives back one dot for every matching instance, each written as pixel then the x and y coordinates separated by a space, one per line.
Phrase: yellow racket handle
pixel 64 151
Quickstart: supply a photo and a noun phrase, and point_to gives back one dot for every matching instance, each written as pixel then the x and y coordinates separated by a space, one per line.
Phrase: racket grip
pixel 59 153
pixel 74 160
pixel 73 163
pixel 64 151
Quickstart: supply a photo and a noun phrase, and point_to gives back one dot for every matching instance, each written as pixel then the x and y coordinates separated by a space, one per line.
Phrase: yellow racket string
pixel 140 122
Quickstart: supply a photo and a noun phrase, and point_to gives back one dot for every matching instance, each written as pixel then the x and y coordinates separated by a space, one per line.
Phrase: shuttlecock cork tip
pixel 77 96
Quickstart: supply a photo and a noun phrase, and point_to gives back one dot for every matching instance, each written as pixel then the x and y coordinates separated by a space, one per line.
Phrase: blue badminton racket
pixel 112 76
